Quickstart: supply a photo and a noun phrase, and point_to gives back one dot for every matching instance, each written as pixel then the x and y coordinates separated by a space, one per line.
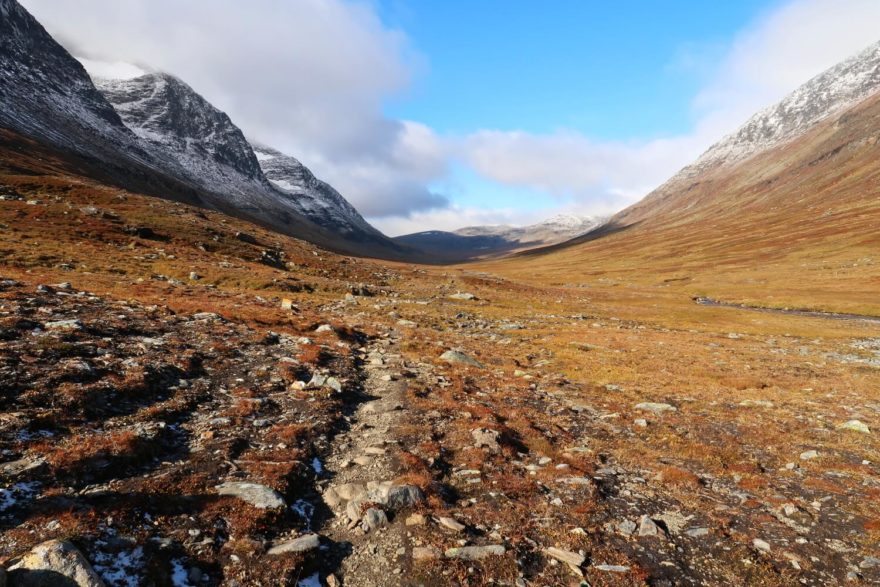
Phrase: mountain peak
pixel 165 111
pixel 315 199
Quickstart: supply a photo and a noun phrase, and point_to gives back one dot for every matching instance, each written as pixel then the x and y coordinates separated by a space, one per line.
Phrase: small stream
pixel 808 313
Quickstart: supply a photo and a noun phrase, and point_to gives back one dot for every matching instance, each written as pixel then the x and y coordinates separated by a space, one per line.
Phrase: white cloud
pixel 306 76
pixel 780 52
pixel 310 77
pixel 569 165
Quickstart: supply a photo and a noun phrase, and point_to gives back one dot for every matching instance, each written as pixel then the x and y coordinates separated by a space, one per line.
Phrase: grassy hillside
pixel 793 227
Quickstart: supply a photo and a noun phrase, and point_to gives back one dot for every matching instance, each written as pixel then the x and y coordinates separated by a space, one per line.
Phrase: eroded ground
pixel 615 433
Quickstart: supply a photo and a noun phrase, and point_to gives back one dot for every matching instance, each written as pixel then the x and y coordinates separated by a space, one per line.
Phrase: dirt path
pixel 363 460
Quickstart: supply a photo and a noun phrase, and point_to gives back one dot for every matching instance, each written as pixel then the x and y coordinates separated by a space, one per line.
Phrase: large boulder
pixel 56 563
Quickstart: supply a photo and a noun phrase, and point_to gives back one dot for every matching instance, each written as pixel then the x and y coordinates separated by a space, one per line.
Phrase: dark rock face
pixel 315 199
pixel 166 112
pixel 45 93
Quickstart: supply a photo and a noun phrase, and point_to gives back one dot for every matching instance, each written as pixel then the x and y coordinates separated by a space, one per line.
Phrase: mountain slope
pixel 822 97
pixel 47 95
pixel 162 138
pixel 793 227
pixel 486 241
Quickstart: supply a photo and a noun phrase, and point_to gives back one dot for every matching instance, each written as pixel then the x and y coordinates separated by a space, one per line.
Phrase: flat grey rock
pixel 259 496
pixel 302 543
pixel 456 357
pixel 474 553
pixel 656 408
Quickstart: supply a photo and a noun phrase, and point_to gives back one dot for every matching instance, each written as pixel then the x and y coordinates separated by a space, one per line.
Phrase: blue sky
pixel 439 114
pixel 613 70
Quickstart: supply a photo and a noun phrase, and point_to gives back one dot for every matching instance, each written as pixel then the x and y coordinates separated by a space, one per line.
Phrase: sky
pixel 439 114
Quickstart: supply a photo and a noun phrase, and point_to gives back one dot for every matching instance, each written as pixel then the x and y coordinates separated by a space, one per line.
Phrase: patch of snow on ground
pixel 119 569
pixel 313 581
pixel 179 576
pixel 304 510
pixel 9 496
pixel 317 466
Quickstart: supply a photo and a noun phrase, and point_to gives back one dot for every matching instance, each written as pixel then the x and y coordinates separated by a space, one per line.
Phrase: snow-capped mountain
pixel 315 199
pixel 829 94
pixel 836 89
pixel 191 139
pixel 169 115
pixel 485 241
pixel 157 135
pixel 174 120
pixel 555 229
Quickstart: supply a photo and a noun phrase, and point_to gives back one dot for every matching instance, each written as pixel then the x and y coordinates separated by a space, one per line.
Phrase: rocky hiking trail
pixel 192 449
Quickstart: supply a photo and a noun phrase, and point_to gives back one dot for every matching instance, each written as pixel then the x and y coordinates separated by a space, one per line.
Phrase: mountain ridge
pixel 825 95
pixel 474 242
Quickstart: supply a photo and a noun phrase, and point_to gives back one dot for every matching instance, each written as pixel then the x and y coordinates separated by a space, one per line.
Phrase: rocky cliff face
pixel 315 199
pixel 46 94
pixel 168 114
pixel 155 133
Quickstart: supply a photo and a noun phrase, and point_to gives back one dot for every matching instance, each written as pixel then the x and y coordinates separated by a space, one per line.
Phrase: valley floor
pixel 190 405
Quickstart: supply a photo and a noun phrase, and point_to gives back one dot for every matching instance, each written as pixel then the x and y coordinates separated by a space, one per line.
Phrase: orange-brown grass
pixel 77 454
pixel 311 354
pixel 289 433
pixel 242 408
pixel 678 477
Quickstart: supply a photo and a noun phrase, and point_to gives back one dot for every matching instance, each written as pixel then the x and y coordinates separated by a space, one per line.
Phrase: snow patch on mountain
pixel 832 91
pixel 188 133
pixel 316 199
pixel 186 130
pixel 554 229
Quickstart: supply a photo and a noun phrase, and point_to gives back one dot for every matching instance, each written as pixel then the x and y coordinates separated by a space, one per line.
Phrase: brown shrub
pixel 678 477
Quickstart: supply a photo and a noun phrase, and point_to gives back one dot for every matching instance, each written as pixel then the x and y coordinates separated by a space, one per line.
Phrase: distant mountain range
pixel 154 133
pixel 476 242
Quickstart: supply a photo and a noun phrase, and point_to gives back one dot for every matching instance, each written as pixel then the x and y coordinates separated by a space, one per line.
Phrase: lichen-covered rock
pixel 484 437
pixel 656 408
pixel 457 357
pixel 56 563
